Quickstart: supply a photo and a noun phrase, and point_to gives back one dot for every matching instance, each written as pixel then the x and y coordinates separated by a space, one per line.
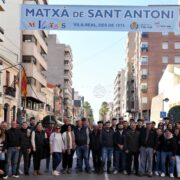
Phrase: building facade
pixel 119 100
pixel 60 70
pixel 10 55
pixel 34 60
pixel 150 55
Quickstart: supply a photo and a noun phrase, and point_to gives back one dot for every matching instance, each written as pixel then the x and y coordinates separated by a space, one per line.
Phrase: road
pixel 85 176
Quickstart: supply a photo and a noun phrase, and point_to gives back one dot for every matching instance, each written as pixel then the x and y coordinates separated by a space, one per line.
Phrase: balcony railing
pixel 10 91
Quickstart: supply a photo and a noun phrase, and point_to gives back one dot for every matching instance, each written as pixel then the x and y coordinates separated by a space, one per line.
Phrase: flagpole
pixel 20 78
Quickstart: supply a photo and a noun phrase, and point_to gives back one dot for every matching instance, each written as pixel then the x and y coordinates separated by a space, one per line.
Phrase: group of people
pixel 117 146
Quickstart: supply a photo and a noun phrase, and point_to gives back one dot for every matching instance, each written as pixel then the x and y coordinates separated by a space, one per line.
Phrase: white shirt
pixel 56 142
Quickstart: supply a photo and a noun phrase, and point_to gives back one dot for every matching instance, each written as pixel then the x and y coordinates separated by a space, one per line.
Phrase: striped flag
pixel 23 83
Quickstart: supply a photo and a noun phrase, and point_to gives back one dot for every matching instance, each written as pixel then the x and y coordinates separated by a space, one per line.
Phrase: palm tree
pixel 88 113
pixel 103 110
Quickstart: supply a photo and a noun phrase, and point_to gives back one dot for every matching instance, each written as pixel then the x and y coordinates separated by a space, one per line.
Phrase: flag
pixel 23 83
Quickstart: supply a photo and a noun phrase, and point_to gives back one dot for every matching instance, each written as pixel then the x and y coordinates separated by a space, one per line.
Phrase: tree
pixel 103 110
pixel 88 112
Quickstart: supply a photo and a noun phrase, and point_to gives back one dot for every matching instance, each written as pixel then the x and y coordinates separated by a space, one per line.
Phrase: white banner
pixel 100 18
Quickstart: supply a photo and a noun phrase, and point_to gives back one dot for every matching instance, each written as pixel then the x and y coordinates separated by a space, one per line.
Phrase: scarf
pixel 70 137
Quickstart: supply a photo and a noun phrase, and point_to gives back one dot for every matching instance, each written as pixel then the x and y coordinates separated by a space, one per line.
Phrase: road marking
pixel 106 176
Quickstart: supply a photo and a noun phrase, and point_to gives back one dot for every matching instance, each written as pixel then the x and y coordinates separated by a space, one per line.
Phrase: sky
pixel 98 56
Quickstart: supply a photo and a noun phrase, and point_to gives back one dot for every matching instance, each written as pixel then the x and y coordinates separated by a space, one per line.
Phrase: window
pixel 164 33
pixel 29 59
pixel 144 46
pixel 177 59
pixel 29 38
pixel 177 45
pixel 144 60
pixel 144 87
pixel 144 72
pixel 165 45
pixel 7 78
pixel 144 100
pixel 165 59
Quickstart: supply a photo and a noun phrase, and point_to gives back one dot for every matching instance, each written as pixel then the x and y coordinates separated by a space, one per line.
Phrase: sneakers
pixel 5 177
pixel 115 172
pixel 125 172
pixel 171 175
pixel 15 176
pixel 156 173
pixel 55 173
pixel 163 175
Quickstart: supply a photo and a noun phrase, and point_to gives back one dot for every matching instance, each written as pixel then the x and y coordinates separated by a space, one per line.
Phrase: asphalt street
pixel 85 176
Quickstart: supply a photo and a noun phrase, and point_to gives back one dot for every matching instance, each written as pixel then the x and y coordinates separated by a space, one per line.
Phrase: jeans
pixel 146 160
pixel 107 153
pixel 171 161
pixel 82 153
pixel 158 161
pixel 12 159
pixel 120 160
pixel 178 164
pixel 56 159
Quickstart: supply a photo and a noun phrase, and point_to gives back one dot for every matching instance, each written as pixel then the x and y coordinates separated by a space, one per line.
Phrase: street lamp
pixel 165 100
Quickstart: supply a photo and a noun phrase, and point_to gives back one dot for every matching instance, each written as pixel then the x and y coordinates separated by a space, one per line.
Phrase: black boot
pixel 102 167
pixel 109 167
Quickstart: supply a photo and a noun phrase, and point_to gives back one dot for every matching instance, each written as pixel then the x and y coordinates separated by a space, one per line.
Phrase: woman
pixel 38 141
pixel 69 146
pixel 158 151
pixel 56 149
pixel 2 153
pixel 168 151
pixel 177 138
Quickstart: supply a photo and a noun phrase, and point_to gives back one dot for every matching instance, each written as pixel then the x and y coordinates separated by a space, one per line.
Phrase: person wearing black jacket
pixel 12 144
pixel 148 145
pixel 107 145
pixel 177 139
pixel 96 148
pixel 82 140
pixel 119 149
pixel 25 147
pixel 131 147
pixel 168 151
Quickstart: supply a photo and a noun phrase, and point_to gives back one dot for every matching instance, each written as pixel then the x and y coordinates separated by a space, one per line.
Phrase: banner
pixel 100 18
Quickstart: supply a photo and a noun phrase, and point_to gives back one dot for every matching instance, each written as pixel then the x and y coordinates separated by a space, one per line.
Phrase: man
pixel 113 127
pixel 12 144
pixel 65 125
pixel 96 148
pixel 32 127
pixel 107 145
pixel 100 125
pixel 131 147
pixel 119 149
pixel 139 125
pixel 25 147
pixel 126 126
pixel 148 144
pixel 82 146
pixel 4 126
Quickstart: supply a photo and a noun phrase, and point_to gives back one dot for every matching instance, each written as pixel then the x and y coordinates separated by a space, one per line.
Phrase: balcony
pixel 9 91
pixel 30 49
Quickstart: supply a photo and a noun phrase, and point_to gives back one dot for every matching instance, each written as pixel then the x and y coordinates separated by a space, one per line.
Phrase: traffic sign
pixel 162 114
